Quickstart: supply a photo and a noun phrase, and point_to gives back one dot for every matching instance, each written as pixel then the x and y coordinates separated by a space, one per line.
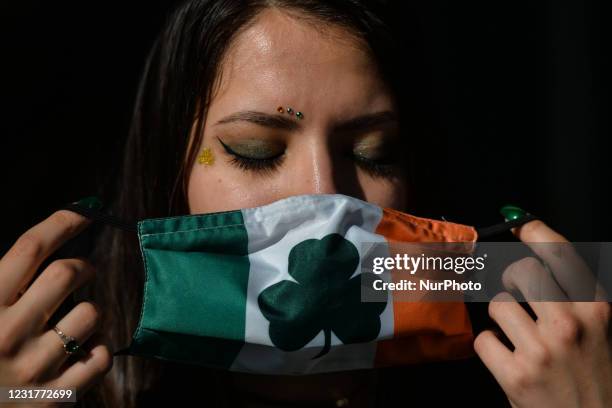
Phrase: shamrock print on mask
pixel 325 297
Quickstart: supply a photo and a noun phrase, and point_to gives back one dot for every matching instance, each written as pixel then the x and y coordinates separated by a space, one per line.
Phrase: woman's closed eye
pixel 375 156
pixel 255 155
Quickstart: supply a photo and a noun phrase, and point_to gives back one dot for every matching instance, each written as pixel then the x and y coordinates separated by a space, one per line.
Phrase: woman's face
pixel 346 142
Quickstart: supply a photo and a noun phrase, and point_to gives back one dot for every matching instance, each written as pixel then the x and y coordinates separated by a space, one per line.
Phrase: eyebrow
pixel 367 122
pixel 261 119
pixel 359 123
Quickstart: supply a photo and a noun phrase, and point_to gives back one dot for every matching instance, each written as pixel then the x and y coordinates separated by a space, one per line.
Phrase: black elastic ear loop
pixel 479 317
pixel 97 215
pixel 487 232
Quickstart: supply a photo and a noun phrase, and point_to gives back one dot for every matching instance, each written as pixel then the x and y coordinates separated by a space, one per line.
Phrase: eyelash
pixel 261 166
pixel 271 164
pixel 374 168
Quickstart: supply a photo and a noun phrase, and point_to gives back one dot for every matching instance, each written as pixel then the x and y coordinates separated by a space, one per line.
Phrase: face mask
pixel 276 289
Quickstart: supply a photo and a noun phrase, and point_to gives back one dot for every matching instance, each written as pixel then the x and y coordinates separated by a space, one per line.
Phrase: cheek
pixel 213 188
pixel 385 193
pixel 218 188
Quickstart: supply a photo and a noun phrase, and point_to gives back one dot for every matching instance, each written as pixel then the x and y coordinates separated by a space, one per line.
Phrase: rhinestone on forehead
pixel 290 111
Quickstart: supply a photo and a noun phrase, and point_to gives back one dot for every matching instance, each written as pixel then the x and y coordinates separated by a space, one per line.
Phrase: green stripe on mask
pixel 197 271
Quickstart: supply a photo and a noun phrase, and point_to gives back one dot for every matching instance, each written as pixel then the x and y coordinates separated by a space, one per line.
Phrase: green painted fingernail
pixel 92 202
pixel 512 212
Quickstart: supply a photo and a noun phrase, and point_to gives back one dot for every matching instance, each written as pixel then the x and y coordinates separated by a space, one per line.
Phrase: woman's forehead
pixel 279 59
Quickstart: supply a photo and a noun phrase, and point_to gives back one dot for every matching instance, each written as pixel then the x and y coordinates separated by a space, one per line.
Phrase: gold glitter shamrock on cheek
pixel 206 157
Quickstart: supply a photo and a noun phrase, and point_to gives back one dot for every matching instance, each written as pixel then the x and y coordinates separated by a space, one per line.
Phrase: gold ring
pixel 70 343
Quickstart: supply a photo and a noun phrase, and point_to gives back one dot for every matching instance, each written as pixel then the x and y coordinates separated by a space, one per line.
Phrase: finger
pixel 88 370
pixel 47 352
pixel 529 276
pixel 567 266
pixel 555 317
pixel 495 356
pixel 22 260
pixel 48 292
pixel 518 326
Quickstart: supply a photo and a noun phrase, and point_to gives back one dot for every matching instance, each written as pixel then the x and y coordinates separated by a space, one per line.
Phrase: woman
pixel 217 85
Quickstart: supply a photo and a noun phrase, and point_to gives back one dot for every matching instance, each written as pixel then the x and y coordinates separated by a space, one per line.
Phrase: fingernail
pixel 92 202
pixel 512 212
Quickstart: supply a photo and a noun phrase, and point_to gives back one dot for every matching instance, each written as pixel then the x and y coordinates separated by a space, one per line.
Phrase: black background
pixel 522 91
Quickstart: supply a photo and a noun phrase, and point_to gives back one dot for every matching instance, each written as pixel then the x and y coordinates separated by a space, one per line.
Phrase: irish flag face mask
pixel 276 289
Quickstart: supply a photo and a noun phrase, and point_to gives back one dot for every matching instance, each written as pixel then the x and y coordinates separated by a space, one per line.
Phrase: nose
pixel 314 171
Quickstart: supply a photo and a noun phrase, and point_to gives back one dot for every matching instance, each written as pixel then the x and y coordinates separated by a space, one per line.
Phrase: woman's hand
pixel 562 359
pixel 31 353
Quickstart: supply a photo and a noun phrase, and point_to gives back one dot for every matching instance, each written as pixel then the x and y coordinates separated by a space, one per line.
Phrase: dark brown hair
pixel 175 88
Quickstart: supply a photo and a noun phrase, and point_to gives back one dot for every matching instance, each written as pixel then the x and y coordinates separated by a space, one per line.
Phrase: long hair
pixel 175 88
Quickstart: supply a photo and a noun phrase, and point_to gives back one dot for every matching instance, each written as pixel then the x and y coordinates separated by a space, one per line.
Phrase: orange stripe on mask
pixel 425 331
